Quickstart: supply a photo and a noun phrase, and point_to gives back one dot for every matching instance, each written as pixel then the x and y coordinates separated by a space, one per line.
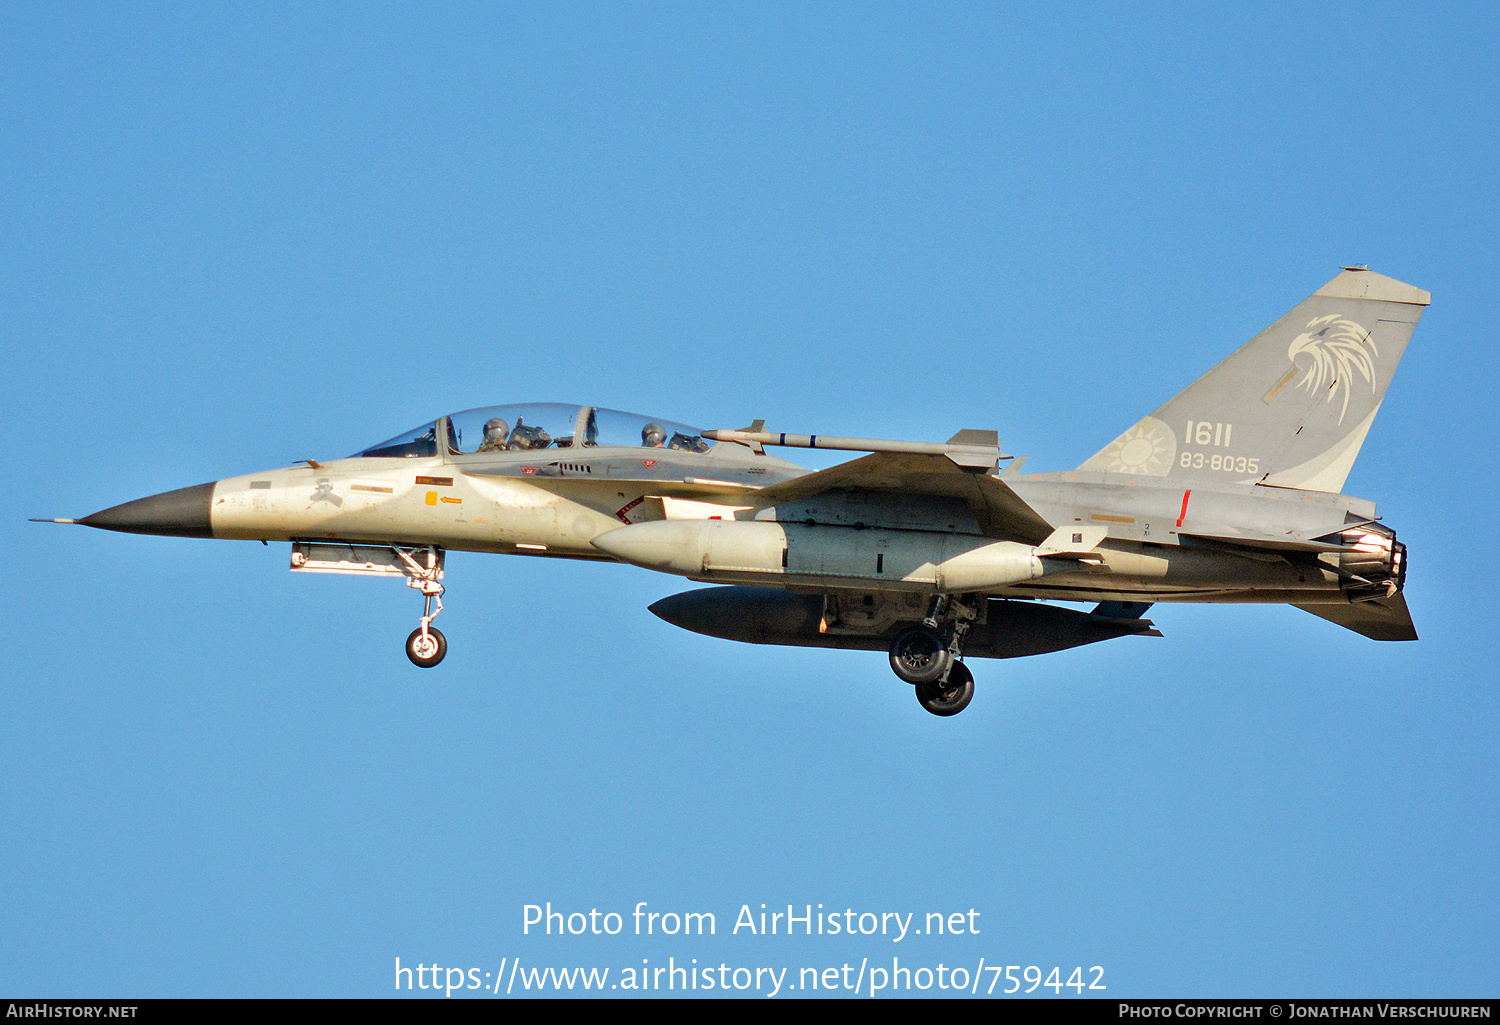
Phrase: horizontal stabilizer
pixel 1385 619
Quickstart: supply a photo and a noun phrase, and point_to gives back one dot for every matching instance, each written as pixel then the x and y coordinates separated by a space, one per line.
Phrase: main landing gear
pixel 426 646
pixel 922 657
pixel 950 696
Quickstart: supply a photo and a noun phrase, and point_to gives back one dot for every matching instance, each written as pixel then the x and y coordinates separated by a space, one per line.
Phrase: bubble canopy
pixel 525 427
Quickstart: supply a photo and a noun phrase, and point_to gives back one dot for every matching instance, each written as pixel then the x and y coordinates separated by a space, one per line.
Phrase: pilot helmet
pixel 653 434
pixel 496 430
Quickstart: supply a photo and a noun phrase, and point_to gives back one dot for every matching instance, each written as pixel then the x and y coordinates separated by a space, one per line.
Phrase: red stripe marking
pixel 623 514
pixel 1183 515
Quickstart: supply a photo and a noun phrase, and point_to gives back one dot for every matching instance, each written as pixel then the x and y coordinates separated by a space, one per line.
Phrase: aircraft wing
pixel 1001 513
pixel 1385 619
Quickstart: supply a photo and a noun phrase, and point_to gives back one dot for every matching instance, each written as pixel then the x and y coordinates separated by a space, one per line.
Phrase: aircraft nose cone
pixel 180 513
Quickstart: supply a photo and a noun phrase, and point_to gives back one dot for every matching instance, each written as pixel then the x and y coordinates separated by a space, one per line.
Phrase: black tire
pixel 415 649
pixel 919 655
pixel 950 697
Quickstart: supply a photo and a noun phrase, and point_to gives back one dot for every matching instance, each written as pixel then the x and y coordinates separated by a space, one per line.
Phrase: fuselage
pixel 558 503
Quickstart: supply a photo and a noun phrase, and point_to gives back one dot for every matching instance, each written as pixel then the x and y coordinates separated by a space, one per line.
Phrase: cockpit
pixel 540 425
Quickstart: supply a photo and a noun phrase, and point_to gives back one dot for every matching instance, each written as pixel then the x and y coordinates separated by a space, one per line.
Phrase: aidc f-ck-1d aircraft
pixel 1227 493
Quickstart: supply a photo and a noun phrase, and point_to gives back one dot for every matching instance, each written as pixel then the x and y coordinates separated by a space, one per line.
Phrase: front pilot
pixel 496 431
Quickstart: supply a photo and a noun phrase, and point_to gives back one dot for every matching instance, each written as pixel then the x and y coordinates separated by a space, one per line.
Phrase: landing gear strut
pixel 920 656
pixel 426 646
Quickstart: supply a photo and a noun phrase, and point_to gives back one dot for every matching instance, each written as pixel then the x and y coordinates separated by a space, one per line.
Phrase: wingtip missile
pixel 972 449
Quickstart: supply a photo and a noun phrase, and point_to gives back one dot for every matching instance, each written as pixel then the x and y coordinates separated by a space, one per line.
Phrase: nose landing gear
pixel 426 645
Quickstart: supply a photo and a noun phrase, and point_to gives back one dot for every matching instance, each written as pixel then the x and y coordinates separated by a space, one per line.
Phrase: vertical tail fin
pixel 1291 407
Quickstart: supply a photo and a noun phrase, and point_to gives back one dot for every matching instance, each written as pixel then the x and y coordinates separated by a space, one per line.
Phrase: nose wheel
pixel 426 645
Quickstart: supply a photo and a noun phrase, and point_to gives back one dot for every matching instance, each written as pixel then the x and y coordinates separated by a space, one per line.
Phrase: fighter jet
pixel 1229 492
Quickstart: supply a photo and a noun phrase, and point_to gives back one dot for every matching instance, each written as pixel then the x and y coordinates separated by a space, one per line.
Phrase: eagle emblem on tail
pixel 1338 349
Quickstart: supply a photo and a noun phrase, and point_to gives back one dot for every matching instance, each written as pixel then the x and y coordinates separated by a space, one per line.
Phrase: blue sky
pixel 236 236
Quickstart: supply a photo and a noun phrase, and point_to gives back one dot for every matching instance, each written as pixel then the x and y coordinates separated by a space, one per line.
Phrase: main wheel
pixel 427 651
pixel 919 655
pixel 951 697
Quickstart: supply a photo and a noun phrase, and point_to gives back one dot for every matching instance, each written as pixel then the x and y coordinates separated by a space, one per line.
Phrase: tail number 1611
pixel 1208 434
